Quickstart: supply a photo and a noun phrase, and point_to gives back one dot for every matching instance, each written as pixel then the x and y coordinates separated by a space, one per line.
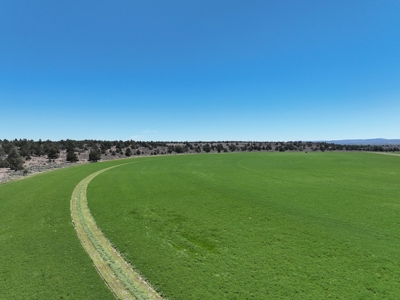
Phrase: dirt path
pixel 117 273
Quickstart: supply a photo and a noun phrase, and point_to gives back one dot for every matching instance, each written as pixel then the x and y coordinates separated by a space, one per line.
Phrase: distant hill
pixel 377 141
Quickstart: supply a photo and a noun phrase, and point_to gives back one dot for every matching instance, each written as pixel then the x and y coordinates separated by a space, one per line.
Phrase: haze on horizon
pixel 204 70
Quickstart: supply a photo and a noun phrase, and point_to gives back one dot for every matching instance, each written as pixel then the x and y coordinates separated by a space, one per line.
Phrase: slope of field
pixel 40 254
pixel 257 225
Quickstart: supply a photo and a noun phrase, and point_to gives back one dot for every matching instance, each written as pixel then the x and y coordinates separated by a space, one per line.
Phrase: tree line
pixel 13 153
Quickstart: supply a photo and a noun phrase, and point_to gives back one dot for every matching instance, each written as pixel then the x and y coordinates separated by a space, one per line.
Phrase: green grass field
pixel 40 254
pixel 217 226
pixel 257 226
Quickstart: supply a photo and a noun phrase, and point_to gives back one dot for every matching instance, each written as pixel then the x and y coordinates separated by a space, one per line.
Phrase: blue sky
pixel 200 70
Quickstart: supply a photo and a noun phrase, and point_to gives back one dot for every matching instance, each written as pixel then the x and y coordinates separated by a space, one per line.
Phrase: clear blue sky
pixel 200 70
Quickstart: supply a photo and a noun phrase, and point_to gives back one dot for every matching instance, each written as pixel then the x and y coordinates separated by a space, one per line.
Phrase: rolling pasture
pixel 257 225
pixel 216 226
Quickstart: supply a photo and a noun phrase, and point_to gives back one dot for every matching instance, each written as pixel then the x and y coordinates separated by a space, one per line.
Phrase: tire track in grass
pixel 117 273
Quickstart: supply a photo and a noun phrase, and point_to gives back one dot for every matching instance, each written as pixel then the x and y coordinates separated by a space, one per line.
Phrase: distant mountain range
pixel 377 141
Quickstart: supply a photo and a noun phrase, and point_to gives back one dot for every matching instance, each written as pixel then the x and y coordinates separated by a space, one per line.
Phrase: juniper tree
pixel 71 155
pixel 94 155
pixel 206 148
pixel 52 152
pixel 14 160
pixel 219 148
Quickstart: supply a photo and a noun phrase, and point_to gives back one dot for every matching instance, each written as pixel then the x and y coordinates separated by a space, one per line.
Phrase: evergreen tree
pixel 14 160
pixel 4 163
pixel 71 155
pixel 128 152
pixel 94 155
pixel 179 149
pixel 206 148
pixel 53 152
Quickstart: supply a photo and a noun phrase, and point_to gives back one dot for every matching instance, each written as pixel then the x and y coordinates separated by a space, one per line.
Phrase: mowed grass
pixel 257 225
pixel 40 254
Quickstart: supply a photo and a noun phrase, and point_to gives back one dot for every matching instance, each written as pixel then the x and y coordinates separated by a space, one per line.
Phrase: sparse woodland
pixel 21 156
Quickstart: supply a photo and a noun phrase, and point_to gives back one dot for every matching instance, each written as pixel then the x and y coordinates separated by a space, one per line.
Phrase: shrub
pixel 71 156
pixel 94 156
pixel 4 164
pixel 14 160
pixel 206 148
pixel 53 153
